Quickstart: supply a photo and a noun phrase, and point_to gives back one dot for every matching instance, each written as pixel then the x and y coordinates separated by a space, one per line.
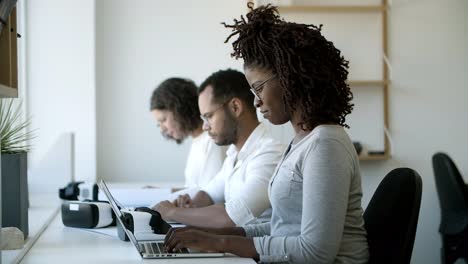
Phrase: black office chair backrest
pixel 453 194
pixel 392 215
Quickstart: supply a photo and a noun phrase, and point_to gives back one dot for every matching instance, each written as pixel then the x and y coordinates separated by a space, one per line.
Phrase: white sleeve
pixel 215 188
pixel 253 200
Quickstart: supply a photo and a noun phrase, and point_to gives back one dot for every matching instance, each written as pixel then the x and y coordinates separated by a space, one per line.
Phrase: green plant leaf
pixel 14 133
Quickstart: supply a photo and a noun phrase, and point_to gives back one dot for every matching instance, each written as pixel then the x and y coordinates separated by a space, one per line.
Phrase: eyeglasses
pixel 256 90
pixel 207 116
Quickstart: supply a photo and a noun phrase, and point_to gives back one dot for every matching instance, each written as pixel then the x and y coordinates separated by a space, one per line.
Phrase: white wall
pixel 140 44
pixel 60 73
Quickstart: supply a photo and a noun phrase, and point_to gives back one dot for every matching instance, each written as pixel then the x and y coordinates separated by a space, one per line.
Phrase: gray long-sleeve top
pixel 315 193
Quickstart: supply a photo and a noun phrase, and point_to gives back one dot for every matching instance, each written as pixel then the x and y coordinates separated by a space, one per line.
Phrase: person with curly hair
pixel 174 105
pixel 297 76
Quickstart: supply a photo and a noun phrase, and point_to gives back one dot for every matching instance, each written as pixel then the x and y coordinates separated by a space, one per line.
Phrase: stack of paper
pixel 139 197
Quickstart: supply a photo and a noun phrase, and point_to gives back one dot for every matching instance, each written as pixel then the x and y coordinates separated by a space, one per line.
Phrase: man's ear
pixel 236 106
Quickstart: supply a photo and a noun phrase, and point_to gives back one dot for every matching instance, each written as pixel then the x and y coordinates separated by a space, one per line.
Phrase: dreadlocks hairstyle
pixel 179 96
pixel 310 69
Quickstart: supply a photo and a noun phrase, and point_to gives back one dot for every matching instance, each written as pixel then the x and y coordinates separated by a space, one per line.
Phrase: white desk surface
pixel 60 244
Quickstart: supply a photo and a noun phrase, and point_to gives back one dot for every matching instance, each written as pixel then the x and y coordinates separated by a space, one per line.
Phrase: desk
pixel 60 244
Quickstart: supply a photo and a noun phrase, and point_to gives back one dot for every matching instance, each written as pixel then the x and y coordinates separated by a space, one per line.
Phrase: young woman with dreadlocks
pixel 297 76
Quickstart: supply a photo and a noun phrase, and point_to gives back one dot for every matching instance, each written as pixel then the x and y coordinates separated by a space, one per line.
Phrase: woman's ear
pixel 236 106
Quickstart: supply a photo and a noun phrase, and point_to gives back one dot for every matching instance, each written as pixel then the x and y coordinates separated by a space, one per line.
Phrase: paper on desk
pixel 172 196
pixel 138 197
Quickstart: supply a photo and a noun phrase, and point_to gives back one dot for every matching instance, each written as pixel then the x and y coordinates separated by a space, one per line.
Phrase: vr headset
pixel 87 214
pixel 79 191
pixel 91 213
pixel 143 222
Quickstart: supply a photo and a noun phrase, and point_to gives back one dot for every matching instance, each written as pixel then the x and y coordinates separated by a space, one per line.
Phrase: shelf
pixel 381 10
pixel 332 8
pixel 6 91
pixel 368 82
pixel 374 157
pixel 8 58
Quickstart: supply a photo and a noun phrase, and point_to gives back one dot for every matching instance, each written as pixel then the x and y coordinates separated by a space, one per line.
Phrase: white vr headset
pixel 87 214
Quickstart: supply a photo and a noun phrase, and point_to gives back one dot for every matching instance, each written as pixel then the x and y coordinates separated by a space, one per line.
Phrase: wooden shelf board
pixel 367 82
pixel 332 8
pixel 6 91
pixel 374 157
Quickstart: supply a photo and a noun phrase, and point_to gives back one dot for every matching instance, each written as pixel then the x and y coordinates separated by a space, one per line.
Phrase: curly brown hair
pixel 179 96
pixel 310 69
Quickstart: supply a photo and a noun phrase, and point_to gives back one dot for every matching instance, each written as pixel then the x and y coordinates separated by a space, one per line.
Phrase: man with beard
pixel 238 195
pixel 174 105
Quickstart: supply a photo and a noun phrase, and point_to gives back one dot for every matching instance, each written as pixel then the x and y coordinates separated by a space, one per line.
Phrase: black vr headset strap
pixel 95 192
pixel 127 220
pixel 70 192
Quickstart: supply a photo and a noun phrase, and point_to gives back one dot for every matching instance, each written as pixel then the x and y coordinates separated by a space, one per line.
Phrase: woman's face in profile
pixel 168 126
pixel 268 94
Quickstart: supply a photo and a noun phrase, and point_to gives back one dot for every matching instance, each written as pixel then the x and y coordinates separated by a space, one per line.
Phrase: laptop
pixel 150 249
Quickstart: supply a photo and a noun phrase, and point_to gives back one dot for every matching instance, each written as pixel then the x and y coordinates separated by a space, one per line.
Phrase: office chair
pixel 391 218
pixel 453 200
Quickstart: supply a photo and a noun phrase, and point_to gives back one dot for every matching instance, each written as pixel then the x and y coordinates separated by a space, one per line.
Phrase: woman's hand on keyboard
pixel 193 238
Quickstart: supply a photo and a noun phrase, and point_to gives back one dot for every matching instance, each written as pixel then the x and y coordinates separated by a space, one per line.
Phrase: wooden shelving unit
pixel 9 58
pixel 6 91
pixel 368 82
pixel 333 8
pixel 374 157
pixel 384 83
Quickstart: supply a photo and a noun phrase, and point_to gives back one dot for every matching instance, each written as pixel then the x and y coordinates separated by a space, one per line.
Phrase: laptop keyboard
pixel 158 248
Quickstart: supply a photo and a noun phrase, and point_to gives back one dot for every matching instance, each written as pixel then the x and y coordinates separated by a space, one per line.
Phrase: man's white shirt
pixel 204 161
pixel 242 182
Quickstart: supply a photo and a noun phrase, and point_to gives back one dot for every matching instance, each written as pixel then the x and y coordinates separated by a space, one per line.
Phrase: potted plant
pixel 14 147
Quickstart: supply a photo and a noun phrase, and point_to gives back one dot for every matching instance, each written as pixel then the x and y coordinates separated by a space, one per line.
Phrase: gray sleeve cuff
pixel 249 231
pixel 257 230
pixel 259 243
